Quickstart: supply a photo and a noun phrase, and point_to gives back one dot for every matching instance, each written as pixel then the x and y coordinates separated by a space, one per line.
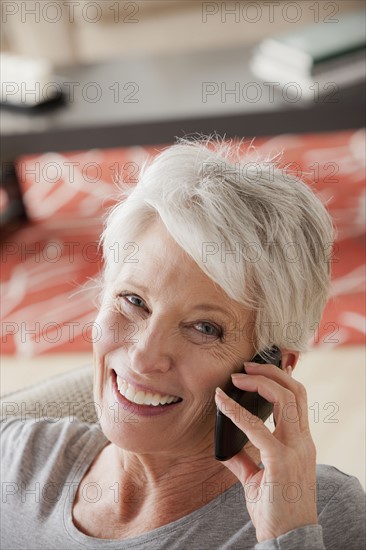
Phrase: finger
pixel 242 466
pixel 285 406
pixel 287 381
pixel 259 435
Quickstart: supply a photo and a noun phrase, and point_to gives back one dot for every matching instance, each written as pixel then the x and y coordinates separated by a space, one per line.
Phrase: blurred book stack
pixel 28 83
pixel 315 56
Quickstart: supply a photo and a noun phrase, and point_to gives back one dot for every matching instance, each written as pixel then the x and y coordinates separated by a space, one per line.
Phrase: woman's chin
pixel 150 429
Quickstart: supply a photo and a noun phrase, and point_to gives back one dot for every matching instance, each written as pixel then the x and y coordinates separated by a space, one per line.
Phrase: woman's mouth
pixel 141 401
pixel 140 397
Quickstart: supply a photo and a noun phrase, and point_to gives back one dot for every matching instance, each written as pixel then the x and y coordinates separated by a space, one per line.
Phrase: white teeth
pixel 129 394
pixel 155 400
pixel 139 398
pixel 148 398
pixel 143 398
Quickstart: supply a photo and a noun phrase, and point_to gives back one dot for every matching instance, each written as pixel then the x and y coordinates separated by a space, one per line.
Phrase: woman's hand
pixel 281 496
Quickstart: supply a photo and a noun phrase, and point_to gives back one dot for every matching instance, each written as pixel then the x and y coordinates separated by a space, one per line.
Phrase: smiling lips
pixel 140 397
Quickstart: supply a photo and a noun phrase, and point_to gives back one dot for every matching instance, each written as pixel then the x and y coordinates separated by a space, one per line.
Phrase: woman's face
pixel 173 334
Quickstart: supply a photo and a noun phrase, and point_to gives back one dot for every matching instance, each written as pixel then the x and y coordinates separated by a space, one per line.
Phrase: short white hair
pixel 213 199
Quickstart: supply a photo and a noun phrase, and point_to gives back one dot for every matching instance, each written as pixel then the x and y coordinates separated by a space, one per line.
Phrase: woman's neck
pixel 137 497
pixel 160 479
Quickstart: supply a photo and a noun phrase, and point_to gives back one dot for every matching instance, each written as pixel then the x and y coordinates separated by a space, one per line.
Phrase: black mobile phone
pixel 229 439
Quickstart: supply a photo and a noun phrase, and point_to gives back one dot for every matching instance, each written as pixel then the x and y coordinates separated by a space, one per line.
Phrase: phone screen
pixel 229 439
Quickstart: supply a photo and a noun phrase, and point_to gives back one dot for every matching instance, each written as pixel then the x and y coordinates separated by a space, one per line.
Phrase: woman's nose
pixel 151 351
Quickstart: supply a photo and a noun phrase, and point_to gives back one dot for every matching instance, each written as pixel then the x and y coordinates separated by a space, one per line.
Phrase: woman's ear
pixel 289 358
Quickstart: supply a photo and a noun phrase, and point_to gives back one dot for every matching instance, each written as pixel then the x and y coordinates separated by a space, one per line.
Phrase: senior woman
pixel 207 264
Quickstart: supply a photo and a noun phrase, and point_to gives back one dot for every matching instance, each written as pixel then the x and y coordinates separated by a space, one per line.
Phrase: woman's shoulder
pixel 341 507
pixel 331 483
pixel 327 472
pixel 28 445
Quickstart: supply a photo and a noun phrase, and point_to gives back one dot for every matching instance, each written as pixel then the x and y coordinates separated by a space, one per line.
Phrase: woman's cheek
pixel 220 363
pixel 112 330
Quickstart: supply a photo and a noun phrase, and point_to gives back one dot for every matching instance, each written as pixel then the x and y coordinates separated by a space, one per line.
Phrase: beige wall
pixel 88 31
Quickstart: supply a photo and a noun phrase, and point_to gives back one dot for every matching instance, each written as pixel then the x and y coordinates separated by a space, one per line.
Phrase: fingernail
pixel 289 370
pixel 219 391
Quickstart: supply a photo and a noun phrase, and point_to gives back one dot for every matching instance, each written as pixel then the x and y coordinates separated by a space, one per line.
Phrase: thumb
pixel 242 466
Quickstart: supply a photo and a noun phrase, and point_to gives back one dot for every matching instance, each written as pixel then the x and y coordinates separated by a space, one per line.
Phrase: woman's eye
pixel 133 297
pixel 212 330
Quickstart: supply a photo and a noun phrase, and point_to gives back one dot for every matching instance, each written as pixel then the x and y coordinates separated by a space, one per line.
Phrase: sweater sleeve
pixel 309 537
pixel 341 524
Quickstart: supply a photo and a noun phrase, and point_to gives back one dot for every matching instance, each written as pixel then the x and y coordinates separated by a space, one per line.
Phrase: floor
pixel 334 379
